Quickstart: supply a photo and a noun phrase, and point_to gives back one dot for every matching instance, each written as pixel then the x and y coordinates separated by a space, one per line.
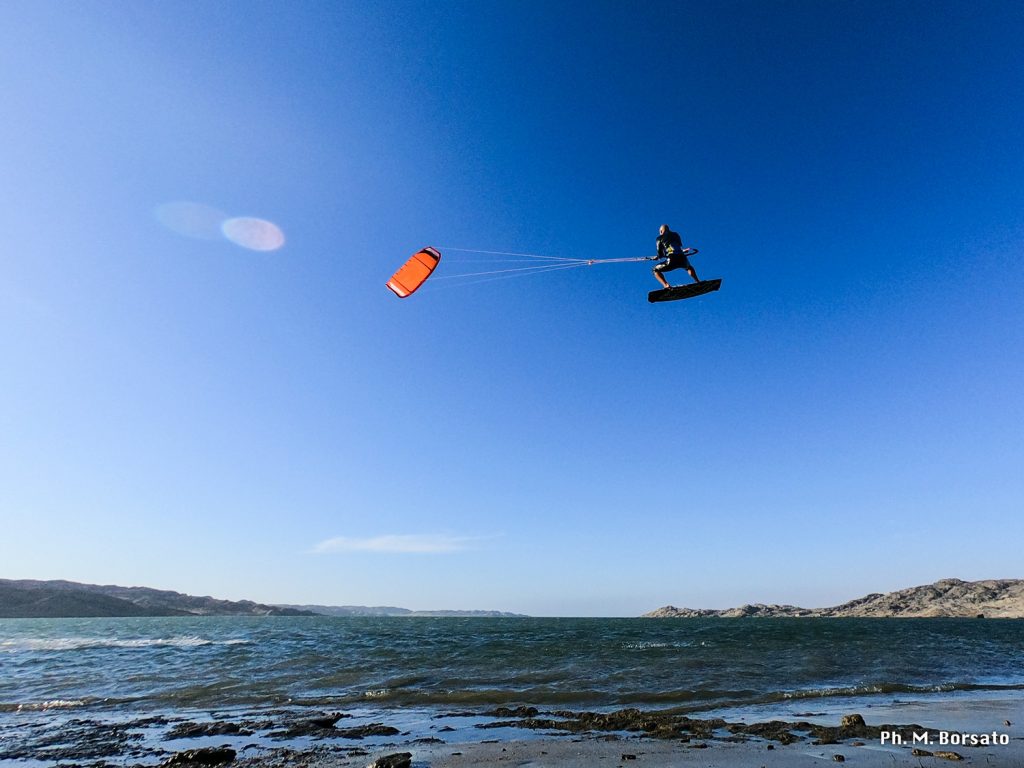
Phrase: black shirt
pixel 669 244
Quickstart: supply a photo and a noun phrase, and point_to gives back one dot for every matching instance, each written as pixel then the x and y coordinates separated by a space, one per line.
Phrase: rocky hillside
pixel 995 598
pixel 66 599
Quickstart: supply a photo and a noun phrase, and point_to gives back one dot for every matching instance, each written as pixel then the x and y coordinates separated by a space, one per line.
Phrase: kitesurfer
pixel 670 247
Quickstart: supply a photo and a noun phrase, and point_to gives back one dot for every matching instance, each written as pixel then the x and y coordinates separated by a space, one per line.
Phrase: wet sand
pixel 651 752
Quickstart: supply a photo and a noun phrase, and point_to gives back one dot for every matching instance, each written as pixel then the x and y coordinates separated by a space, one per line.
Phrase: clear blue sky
pixel 844 416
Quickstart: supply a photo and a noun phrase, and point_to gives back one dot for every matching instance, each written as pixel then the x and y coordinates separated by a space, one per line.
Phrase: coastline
pixel 527 736
pixel 327 692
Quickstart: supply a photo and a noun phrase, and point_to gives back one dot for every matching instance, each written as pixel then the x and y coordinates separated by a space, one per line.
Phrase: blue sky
pixel 185 412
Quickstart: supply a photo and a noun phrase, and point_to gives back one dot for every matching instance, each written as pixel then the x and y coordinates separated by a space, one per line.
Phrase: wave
pixel 646 645
pixel 678 700
pixel 41 706
pixel 885 688
pixel 80 643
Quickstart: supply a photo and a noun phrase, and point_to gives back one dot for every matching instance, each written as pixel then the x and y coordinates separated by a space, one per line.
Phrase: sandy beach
pixel 723 749
pixel 578 753
pixel 525 736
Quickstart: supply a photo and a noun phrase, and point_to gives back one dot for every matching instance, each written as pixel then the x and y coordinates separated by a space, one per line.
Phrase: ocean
pixel 417 668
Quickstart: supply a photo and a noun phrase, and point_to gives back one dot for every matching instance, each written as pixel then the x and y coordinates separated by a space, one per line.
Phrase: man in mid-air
pixel 670 247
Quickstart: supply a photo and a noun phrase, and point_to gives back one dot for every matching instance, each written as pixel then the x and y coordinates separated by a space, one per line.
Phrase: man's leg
pixel 693 274
pixel 661 278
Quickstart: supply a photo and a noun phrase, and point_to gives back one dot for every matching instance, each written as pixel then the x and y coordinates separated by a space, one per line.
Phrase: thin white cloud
pixel 430 543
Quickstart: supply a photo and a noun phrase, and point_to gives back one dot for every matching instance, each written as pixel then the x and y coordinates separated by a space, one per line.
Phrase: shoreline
pixel 527 736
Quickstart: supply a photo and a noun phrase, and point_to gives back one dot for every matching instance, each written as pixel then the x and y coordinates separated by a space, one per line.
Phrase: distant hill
pixel 28 599
pixel 997 599
pixel 69 599
pixel 386 610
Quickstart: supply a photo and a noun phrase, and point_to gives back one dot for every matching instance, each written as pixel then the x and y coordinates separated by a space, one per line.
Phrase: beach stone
pixel 839 758
pixel 628 757
pixel 147 722
pixel 917 752
pixel 318 727
pixel 192 730
pixel 949 755
pixel 517 712
pixel 373 729
pixel 327 721
pixel 394 760
pixel 852 721
pixel 776 730
pixel 204 756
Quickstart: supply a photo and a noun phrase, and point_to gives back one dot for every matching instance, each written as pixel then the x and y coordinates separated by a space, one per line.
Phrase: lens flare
pixel 254 234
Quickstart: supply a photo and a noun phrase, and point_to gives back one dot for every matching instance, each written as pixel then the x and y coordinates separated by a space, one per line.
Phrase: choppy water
pixel 450 663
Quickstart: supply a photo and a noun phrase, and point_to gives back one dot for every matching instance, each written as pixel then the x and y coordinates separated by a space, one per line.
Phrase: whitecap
pixel 78 643
pixel 51 704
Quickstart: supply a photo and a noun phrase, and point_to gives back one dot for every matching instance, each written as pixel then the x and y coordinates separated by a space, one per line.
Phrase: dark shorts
pixel 675 262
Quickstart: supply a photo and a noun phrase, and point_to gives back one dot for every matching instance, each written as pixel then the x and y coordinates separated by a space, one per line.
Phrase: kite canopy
pixel 414 272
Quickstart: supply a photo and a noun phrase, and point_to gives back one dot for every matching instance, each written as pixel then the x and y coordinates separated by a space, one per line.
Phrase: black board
pixel 684 291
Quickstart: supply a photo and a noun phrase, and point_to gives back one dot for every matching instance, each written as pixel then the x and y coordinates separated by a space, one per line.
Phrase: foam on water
pixel 79 643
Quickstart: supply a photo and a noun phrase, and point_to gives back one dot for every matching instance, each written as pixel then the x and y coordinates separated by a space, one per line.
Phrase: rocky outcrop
pixel 995 598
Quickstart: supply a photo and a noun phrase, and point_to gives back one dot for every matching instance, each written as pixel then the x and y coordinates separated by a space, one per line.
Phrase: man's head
pixel 663 229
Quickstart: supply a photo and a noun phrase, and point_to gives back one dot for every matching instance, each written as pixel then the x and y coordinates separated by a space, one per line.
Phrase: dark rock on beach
pixel 396 760
pixel 653 724
pixel 327 721
pixel 76 739
pixel 362 731
pixel 517 712
pixel 197 730
pixel 660 725
pixel 198 757
pixel 324 727
pixel 775 730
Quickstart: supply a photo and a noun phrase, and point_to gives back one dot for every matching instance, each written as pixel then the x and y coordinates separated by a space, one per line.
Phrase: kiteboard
pixel 684 291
